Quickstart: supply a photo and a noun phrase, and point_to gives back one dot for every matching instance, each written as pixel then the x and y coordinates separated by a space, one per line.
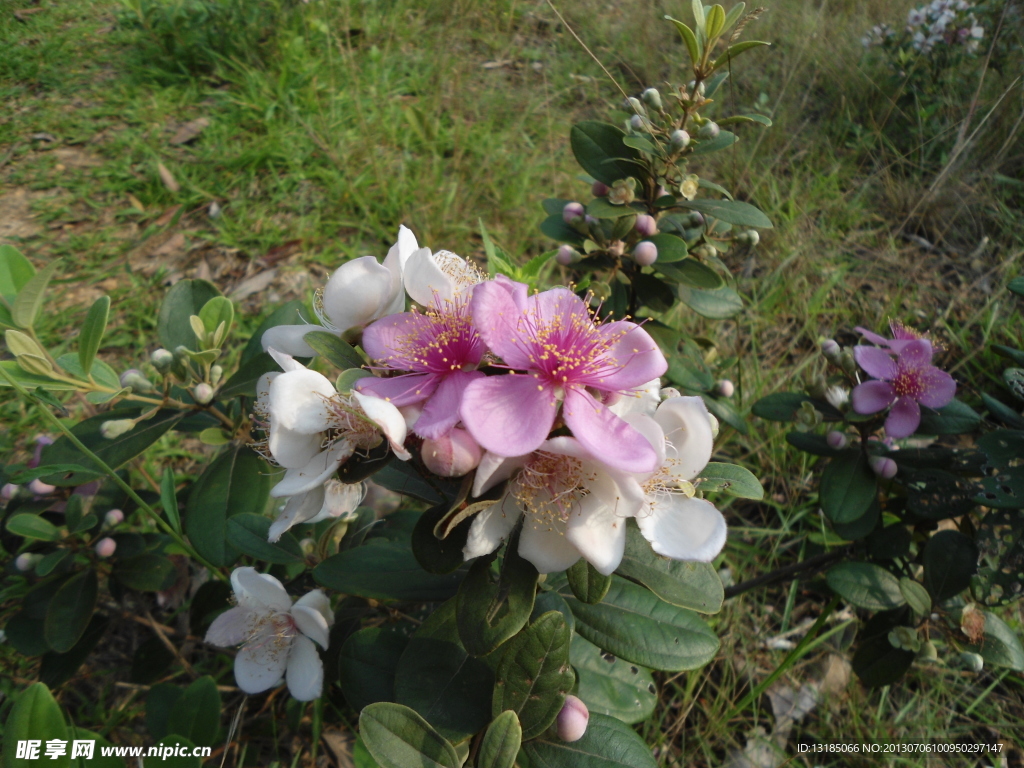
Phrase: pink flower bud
pixel 572 211
pixel 203 393
pixel 646 225
pixel 113 517
pixel 831 350
pixel 26 561
pixel 566 255
pixel 599 189
pixel 884 467
pixel 572 720
pixel 645 253
pixel 38 488
pixel 836 439
pixel 8 492
pixel 725 388
pixel 453 455
pixel 105 547
pixel 590 221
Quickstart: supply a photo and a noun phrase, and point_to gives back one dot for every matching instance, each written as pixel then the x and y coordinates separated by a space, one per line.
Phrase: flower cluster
pixel 941 22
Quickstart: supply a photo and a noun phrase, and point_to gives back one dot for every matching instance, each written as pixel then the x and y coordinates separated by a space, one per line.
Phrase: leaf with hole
pixel 612 686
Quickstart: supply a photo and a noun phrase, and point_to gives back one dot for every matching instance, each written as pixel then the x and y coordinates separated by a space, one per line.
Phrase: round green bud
pixel 652 98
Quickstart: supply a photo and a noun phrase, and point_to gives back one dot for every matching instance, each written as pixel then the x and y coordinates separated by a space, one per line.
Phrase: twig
pixel 585 48
pixel 781 574
pixel 171 646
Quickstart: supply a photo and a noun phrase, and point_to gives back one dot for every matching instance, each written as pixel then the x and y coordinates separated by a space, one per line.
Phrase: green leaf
pixel 950 559
pixel 216 312
pixel 715 305
pixel 1016 286
pixel 57 668
pixel 1000 645
pixel 93 328
pixel 402 477
pixel 877 662
pixel 184 299
pixel 439 555
pixel 671 248
pixel 30 298
pixel 586 583
pixel 31 526
pixel 607 743
pixel 724 409
pixel 237 481
pixel 98 760
pixel 335 351
pixel 848 486
pixel 652 292
pixel 634 624
pixel 397 737
pixel 736 49
pixel 70 609
pixel 957 418
pixel 691 272
pixel 916 595
pixel 684 584
pixel 534 676
pixel 248 534
pixel 490 611
pixel 554 226
pixel 441 681
pixel 367 665
pixel 731 211
pixel 196 713
pixel 169 500
pixel 116 452
pixel 31 381
pixel 698 16
pixel 616 688
pixel 808 442
pixel 500 744
pixel 732 480
pixel 865 585
pixel 752 118
pixel 15 272
pixel 34 716
pixel 715 21
pixel 734 15
pixel 783 406
pixel 384 570
pixel 693 47
pixel 172 742
pixel 147 572
pixel 722 141
pixel 603 208
pixel 599 150
pixel 25 634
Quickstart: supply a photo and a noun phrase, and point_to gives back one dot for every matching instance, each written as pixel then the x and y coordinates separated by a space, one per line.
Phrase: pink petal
pixel 558 305
pixel 610 439
pixel 872 397
pixel 497 317
pixel 508 415
pixel 877 362
pixel 392 340
pixel 873 337
pixel 916 354
pixel 633 358
pixel 939 388
pixel 441 411
pixel 904 418
pixel 401 390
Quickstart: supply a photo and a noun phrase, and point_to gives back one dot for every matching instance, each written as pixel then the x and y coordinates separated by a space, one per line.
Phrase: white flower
pixel 277 638
pixel 312 429
pixel 359 292
pixel 333 499
pixel 438 279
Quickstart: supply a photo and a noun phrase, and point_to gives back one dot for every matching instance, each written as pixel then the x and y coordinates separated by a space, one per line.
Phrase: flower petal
pixel 490 527
pixel 358 293
pixel 494 469
pixel 291 449
pixel 877 362
pixel 312 624
pixel 545 545
pixel 508 415
pixel 683 528
pixel 315 472
pixel 873 337
pixel 916 354
pixel 441 410
pixel 400 391
pixel 632 359
pixel 689 437
pixel 425 282
pixel 305 670
pixel 394 262
pixel 497 316
pixel 290 339
pixel 904 418
pixel 261 663
pixel 319 602
pixel 388 418
pixel 607 437
pixel 643 399
pixel 298 401
pixel 939 388
pixel 259 592
pixel 229 629
pixel 651 430
pixel 392 340
pixel 299 509
pixel 872 397
pixel 598 531
pixel 340 500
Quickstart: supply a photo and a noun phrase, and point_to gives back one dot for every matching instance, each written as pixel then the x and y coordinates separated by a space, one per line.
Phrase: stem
pixel 780 574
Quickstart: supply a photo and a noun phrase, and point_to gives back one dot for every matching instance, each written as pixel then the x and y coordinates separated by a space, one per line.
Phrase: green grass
pixel 342 120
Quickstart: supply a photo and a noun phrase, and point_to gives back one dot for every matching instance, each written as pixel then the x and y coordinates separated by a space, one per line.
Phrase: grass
pixel 344 119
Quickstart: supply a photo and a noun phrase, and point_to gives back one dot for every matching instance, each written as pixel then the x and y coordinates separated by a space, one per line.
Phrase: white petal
pixel 642 400
pixel 315 472
pixel 395 262
pixel 260 665
pixel 229 629
pixel 688 434
pixel 263 391
pixel 544 544
pixel 299 509
pixel 683 528
pixel 490 527
pixel 494 469
pixel 651 430
pixel 357 293
pixel 259 592
pixel 298 401
pixel 311 623
pixel 289 339
pixel 598 531
pixel 388 418
pixel 318 601
pixel 286 361
pixel 305 670
pixel 292 449
pixel 424 281
pixel 340 500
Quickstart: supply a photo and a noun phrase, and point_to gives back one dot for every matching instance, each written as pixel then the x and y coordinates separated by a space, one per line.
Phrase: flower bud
pixel 38 488
pixel 572 720
pixel 847 361
pixel 181 353
pixel 883 466
pixel 709 130
pixel 831 350
pixel 637 123
pixel 696 219
pixel 591 221
pixel 8 492
pixel 646 225
pixel 116 428
pixel 690 86
pixel 645 253
pixel 26 561
pixel 716 426
pixel 616 248
pixel 161 360
pixel 705 251
pixel 113 517
pixel 454 455
pixel 972 661
pixel 679 140
pixel 928 652
pixel 752 237
pixel 652 98
pixel 216 374
pixel 572 211
pixel 599 189
pixel 636 106
pixel 567 255
pixel 105 547
pixel 308 546
pixel 667 393
pixel 725 388
pixel 836 439
pixel 134 378
pixel 202 392
pixel 838 397
pixel 623 192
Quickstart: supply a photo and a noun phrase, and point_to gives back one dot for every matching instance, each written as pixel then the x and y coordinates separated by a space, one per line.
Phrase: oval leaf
pixel 866 585
pixel 34 716
pixel 69 611
pixel 731 211
pixel 608 743
pixel 500 745
pixel 600 152
pixel 93 328
pixel 617 688
pixel 397 737
pixel 848 486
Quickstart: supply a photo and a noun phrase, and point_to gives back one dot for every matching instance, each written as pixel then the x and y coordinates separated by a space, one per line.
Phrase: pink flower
pixel 905 383
pixel 441 350
pixel 901 336
pixel 566 357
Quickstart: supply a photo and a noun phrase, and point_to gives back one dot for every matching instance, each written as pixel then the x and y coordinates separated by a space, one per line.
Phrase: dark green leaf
pixel 652 292
pixel 1016 286
pixel 723 140
pixel 1002 447
pixel 607 743
pixel 93 328
pixel 184 299
pixel 808 442
pixel 367 665
pixel 169 499
pixel 730 479
pixel 384 570
pixel 550 600
pixel 397 737
pixel 612 687
pixel 950 559
pixel 1000 645
pixel 57 668
pixel 731 211
pixel 599 150
pixel 98 760
pixel 554 226
pixel 35 715
pixel 848 486
pixel 32 527
pixel 890 542
pixel 434 554
pixel 25 634
pixel 735 50
pixel 716 305
pixel 956 418
pixel 586 583
pixel 338 353
pixel 70 609
pixel 723 409
pixel 554 205
pixel 501 742
pixel 172 743
pixel 211 599
pixel 752 118
pixel 402 477
pixel 862 526
pixel 160 701
pixel 690 272
pixel 146 572
pixel 866 586
pixel 248 534
pixel 196 714
pixel 916 596
pixel 877 662
pixel 15 272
